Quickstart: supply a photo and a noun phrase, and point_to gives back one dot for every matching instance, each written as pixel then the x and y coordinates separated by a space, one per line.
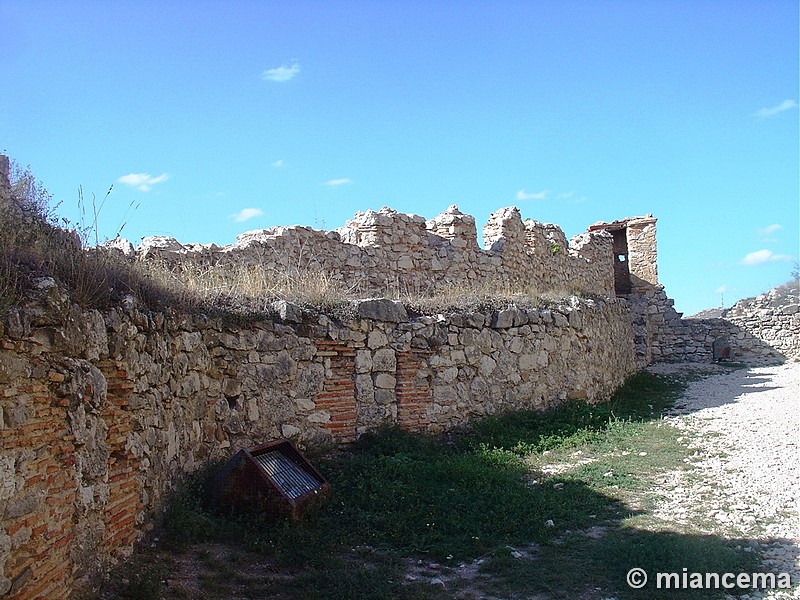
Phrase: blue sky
pixel 210 119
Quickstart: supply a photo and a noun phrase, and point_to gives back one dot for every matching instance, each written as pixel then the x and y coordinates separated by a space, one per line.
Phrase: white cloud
pixel 246 214
pixel 282 73
pixel 774 110
pixel 336 182
pixel 759 257
pixel 721 289
pixel 279 164
pixel 769 229
pixel 142 181
pixel 572 197
pixel 523 195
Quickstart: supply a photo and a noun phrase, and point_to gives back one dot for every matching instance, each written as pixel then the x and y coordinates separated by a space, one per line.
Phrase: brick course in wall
pixel 414 392
pixel 37 520
pixel 101 413
pixel 337 401
pixel 96 429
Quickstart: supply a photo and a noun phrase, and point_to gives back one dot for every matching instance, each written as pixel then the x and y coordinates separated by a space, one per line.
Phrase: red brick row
pixel 413 401
pixel 338 392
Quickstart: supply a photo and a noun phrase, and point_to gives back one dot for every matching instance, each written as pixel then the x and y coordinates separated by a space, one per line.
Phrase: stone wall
pixel 635 254
pixel 100 413
pixel 386 252
pixel 765 330
pixel 757 335
pixel 773 320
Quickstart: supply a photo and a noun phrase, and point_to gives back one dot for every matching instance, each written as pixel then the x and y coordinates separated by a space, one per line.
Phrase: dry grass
pixel 255 288
pixel 251 287
pixel 34 244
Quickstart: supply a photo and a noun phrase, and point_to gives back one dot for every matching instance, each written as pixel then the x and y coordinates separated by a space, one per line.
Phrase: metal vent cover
pixel 274 479
pixel 287 475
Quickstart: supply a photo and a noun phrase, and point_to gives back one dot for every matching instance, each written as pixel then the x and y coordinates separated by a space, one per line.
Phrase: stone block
pixel 288 312
pixel 24 505
pixel 487 365
pixel 503 319
pixel 320 417
pixel 363 362
pixel 365 388
pixel 384 359
pixel 376 339
pixel 449 375
pixel 385 396
pixel 231 387
pixel 290 431
pixel 474 320
pixel 385 381
pixel 382 309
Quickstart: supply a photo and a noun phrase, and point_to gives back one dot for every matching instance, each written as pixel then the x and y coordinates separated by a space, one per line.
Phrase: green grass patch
pixel 473 495
pixel 643 397
pixel 669 552
pixel 598 567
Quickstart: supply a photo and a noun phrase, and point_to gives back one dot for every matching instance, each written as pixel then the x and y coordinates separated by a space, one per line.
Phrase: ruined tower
pixel 635 254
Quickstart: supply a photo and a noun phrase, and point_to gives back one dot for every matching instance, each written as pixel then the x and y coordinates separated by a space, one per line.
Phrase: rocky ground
pixel 744 475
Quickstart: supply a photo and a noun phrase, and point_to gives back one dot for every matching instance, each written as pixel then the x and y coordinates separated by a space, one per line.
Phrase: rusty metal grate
pixel 272 478
pixel 290 477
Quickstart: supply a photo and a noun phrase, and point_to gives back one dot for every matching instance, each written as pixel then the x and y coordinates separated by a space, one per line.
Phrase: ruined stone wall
pixel 387 252
pixel 757 336
pixel 775 323
pixel 642 253
pixel 765 330
pixel 100 413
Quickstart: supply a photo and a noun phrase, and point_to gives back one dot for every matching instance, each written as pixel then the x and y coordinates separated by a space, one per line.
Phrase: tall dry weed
pixel 34 243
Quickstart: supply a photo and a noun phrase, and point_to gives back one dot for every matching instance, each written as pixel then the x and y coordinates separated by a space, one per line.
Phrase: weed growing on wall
pixel 35 244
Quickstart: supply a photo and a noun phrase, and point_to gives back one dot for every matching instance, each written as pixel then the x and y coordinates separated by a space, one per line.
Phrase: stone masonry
pixel 756 333
pixel 100 413
pixel 389 253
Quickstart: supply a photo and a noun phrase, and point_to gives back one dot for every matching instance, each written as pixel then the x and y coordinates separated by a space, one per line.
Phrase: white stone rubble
pixel 744 477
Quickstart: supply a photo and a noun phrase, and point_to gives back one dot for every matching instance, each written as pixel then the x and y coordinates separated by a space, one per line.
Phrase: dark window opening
pixel 622 274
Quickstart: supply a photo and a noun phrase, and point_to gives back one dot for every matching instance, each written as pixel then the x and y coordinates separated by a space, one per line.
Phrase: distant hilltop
pixel 783 299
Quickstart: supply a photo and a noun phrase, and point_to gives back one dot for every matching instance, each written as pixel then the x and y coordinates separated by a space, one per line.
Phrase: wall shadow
pixel 745 346
pixel 594 563
pixel 730 383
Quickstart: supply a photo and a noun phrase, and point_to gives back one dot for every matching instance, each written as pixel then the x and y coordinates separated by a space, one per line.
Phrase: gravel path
pixel 743 480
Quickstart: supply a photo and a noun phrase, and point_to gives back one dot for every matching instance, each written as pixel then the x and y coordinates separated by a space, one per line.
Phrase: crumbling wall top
pixel 389 252
pixel 635 253
pixel 641 221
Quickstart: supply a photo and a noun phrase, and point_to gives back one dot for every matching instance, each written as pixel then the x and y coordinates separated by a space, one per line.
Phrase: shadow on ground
pixel 460 517
pixel 587 553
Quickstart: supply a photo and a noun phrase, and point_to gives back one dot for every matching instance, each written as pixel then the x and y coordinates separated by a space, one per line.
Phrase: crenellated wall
pixel 100 413
pixel 389 252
